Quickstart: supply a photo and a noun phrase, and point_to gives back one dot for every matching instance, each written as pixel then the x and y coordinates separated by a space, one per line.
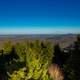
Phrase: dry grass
pixel 55 72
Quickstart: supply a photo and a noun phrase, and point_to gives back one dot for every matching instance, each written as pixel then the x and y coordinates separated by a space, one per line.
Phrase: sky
pixel 39 16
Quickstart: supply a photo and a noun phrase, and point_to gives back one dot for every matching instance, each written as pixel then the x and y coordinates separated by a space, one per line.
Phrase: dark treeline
pixel 40 60
pixel 69 60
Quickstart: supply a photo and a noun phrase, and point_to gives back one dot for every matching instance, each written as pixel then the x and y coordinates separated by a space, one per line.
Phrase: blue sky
pixel 39 16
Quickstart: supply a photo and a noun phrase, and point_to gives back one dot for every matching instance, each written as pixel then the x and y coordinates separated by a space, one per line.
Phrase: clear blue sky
pixel 39 16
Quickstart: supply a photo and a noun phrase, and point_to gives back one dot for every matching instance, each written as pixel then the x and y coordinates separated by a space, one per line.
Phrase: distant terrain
pixel 63 39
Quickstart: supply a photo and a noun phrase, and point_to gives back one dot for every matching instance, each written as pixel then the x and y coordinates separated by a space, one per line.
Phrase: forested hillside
pixel 40 60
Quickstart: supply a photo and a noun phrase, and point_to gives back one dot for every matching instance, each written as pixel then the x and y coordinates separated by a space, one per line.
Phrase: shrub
pixel 55 72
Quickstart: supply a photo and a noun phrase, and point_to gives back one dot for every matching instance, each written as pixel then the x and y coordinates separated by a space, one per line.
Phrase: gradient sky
pixel 39 16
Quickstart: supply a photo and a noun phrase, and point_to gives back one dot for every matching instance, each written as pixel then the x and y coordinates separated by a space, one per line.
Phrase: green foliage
pixel 30 60
pixel 34 60
pixel 18 75
pixel 38 57
pixel 20 49
pixel 7 47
